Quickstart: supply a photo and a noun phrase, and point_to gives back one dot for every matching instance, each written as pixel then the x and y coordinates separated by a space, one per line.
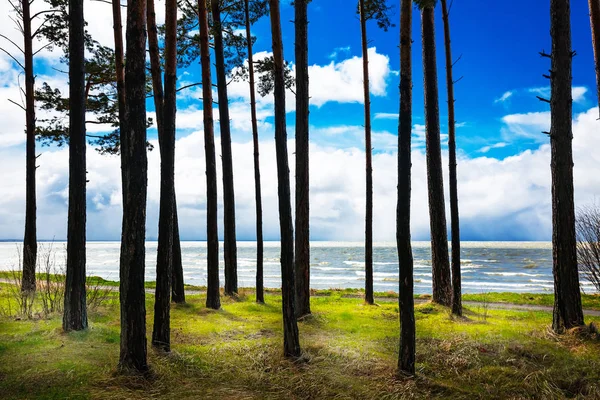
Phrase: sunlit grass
pixel 350 352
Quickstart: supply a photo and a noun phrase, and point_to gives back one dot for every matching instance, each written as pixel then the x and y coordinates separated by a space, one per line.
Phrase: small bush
pixel 588 243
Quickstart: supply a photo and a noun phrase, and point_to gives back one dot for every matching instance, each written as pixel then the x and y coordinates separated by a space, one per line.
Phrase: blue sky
pixel 504 175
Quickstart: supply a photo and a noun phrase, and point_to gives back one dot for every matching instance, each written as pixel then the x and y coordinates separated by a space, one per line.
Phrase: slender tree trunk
pixel 174 256
pixel 75 311
pixel 568 312
pixel 291 342
pixel 595 25
pixel 406 357
pixel 30 238
pixel 120 76
pixel 133 252
pixel 454 217
pixel 368 150
pixel 161 336
pixel 442 290
pixel 302 153
pixel 260 295
pixel 213 299
pixel 230 245
pixel 178 284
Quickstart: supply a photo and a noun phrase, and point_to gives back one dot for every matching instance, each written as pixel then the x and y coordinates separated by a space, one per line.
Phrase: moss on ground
pixel 350 353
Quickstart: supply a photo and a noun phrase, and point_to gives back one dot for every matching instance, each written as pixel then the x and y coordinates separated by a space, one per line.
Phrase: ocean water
pixel 486 266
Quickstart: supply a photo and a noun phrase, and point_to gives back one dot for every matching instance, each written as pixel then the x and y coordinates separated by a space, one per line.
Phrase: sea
pixel 485 266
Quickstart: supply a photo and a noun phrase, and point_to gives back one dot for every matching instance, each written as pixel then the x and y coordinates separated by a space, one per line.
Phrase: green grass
pixel 589 301
pixel 350 353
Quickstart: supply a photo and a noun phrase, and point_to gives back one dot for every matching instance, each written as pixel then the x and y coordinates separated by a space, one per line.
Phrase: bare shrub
pixel 50 283
pixel 588 243
pixel 97 295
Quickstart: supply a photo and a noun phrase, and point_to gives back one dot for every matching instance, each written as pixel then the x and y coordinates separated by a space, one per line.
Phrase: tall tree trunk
pixel 260 295
pixel 120 76
pixel 75 312
pixel 369 170
pixel 133 252
pixel 302 150
pixel 161 336
pixel 568 312
pixel 159 103
pixel 229 243
pixel 291 342
pixel 213 299
pixel 406 357
pixel 442 291
pixel 177 284
pixel 595 25
pixel 454 217
pixel 30 238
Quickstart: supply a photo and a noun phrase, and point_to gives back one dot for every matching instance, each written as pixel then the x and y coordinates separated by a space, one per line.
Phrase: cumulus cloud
pixel 494 204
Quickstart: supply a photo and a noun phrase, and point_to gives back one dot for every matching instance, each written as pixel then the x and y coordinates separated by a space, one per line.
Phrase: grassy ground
pixel 589 301
pixel 350 353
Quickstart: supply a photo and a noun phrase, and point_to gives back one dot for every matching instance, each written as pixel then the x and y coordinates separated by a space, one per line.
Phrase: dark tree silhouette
pixel 291 342
pixel 594 6
pixel 380 12
pixel 75 311
pixel 302 164
pixel 442 290
pixel 260 296
pixel 133 252
pixel 213 299
pixel 406 356
pixel 568 311
pixel 454 216
pixel 166 110
pixel 229 243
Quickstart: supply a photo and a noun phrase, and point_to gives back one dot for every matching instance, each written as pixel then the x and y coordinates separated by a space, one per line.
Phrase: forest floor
pixel 350 352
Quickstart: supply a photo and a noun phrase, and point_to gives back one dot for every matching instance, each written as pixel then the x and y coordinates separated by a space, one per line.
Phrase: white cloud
pixel 528 125
pixel 504 97
pixel 338 51
pixel 498 145
pixel 494 203
pixel 545 92
pixel 386 116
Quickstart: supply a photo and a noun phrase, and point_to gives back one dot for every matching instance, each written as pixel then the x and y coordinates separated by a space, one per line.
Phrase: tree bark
pixel 291 342
pixel 178 283
pixel 229 243
pixel 302 161
pixel 568 311
pixel 260 295
pixel 133 252
pixel 120 76
pixel 30 237
pixel 454 215
pixel 161 337
pixel 406 356
pixel 442 291
pixel 213 299
pixel 75 311
pixel 369 167
pixel 595 25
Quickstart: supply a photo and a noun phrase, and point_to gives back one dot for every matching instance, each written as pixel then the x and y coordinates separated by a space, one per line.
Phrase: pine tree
pixel 406 356
pixel 442 287
pixel 291 342
pixel 302 164
pixel 568 311
pixel 212 292
pixel 133 253
pixel 454 217
pixel 379 11
pixel 75 311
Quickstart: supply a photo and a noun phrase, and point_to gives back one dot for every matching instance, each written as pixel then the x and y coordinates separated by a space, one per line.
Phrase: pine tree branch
pixel 17 104
pixel 13 43
pixel 13 58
